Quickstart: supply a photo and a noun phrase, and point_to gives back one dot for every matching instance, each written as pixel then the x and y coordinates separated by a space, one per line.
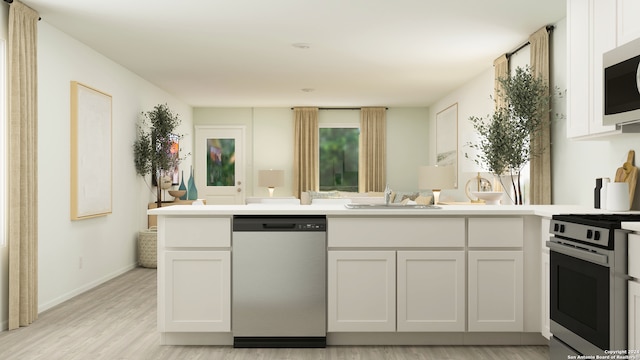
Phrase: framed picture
pixel 447 138
pixel 91 162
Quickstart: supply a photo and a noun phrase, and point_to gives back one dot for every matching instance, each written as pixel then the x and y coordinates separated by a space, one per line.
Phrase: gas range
pixel 592 229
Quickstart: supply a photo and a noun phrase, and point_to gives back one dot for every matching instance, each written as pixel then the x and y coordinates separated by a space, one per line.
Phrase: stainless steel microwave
pixel 621 91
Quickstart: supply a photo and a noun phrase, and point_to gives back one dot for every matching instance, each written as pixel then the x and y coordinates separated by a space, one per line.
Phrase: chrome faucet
pixel 387 195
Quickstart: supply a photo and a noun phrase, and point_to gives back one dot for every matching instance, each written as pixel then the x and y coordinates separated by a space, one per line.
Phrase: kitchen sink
pixel 390 206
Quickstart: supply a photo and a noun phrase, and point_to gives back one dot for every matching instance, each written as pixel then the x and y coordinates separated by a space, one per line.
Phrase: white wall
pixel 270 141
pixel 105 244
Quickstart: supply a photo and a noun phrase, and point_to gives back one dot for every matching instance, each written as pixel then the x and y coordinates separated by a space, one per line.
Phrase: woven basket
pixel 148 248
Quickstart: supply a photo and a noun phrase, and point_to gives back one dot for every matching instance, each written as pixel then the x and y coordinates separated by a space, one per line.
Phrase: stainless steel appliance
pixel 621 90
pixel 279 281
pixel 588 284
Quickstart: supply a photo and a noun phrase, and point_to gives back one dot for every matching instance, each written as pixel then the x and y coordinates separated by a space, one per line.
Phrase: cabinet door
pixel 495 291
pixel 431 291
pixel 627 19
pixel 544 278
pixel 634 315
pixel 361 291
pixel 545 297
pixel 578 69
pixel 202 281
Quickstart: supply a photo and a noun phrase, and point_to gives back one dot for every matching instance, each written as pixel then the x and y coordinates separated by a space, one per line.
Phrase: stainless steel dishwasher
pixel 279 281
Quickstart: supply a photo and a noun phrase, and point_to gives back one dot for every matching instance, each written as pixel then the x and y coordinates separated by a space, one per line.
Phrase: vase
pixel 192 192
pixel 182 187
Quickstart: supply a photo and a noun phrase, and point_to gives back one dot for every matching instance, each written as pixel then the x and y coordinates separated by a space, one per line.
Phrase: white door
pixel 219 164
pixel 202 281
pixel 361 291
pixel 495 291
pixel 431 290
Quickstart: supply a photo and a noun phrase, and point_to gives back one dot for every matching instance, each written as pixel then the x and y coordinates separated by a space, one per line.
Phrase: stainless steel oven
pixel 588 284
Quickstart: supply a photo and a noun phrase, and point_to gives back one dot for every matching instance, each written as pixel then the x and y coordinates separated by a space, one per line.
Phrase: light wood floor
pixel 117 320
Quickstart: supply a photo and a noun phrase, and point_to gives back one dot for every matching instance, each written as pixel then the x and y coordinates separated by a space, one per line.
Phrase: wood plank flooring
pixel 117 320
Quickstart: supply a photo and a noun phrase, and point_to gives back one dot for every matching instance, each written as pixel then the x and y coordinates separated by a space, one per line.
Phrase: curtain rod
pixel 10 1
pixel 327 108
pixel 549 29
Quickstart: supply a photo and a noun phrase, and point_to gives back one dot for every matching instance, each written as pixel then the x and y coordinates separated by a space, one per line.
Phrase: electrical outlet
pixel 80 262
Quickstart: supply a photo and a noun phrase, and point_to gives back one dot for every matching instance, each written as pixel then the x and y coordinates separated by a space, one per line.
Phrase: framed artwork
pixel 447 138
pixel 91 162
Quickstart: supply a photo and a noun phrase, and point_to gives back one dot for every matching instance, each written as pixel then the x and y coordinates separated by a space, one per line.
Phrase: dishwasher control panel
pixel 279 223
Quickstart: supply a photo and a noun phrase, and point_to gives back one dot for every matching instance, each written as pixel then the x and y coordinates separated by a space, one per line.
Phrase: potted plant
pixel 155 149
pixel 506 137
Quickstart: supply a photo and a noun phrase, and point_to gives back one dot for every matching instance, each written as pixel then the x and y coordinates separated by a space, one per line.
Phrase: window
pixel 339 158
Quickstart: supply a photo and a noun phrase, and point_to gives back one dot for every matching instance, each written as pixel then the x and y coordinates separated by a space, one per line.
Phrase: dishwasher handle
pixel 283 226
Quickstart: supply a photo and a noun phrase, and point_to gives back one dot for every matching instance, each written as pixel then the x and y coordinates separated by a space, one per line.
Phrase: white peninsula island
pixel 455 275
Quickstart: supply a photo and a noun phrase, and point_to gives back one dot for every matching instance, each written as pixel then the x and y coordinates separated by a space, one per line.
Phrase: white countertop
pixel 341 210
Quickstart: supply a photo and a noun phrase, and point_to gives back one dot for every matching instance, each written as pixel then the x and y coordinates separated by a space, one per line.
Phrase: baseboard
pixel 71 294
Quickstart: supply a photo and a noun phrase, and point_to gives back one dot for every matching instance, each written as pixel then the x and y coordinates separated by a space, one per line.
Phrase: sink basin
pixel 390 206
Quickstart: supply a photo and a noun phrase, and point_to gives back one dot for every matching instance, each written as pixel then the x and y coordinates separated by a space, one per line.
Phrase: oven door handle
pixel 580 254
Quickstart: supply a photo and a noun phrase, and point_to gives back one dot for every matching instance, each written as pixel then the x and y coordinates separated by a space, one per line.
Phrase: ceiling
pixel 241 53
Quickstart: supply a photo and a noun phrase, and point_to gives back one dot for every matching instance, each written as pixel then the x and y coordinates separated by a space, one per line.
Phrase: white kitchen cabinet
pixel 202 279
pixel 361 291
pixel 628 24
pixel 495 291
pixel 591 31
pixel 544 279
pixel 431 290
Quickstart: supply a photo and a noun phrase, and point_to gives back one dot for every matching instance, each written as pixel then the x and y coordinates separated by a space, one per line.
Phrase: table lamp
pixel 271 179
pixel 436 178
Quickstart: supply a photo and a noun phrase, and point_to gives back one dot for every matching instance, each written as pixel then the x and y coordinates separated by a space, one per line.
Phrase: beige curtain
pixel 540 166
pixel 501 71
pixel 306 149
pixel 372 172
pixel 23 166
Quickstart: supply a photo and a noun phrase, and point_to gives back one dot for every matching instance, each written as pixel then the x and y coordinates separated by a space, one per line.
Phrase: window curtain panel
pixel 23 166
pixel 306 150
pixel 540 166
pixel 372 171
pixel 501 71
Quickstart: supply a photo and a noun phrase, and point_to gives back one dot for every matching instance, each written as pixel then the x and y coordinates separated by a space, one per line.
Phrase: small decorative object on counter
pixel 603 193
pixel 596 193
pixel 182 186
pixel 618 196
pixel 192 192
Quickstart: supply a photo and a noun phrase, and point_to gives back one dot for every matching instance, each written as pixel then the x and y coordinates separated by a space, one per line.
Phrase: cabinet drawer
pixel 395 232
pixel 496 232
pixel 196 231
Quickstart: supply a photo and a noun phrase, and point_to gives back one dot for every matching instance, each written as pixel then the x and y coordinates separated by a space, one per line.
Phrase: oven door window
pixel 580 298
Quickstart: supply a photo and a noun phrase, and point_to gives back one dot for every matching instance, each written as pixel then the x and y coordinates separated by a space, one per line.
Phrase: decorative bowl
pixel 177 193
pixel 489 197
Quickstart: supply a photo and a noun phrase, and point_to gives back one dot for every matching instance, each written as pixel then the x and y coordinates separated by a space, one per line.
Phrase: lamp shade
pixel 271 178
pixel 436 177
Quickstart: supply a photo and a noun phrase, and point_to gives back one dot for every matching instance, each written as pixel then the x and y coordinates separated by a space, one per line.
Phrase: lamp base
pixel 271 191
pixel 436 196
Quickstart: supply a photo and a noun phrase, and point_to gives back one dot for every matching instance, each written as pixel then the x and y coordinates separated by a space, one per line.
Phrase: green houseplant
pixel 156 147
pixel 506 137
